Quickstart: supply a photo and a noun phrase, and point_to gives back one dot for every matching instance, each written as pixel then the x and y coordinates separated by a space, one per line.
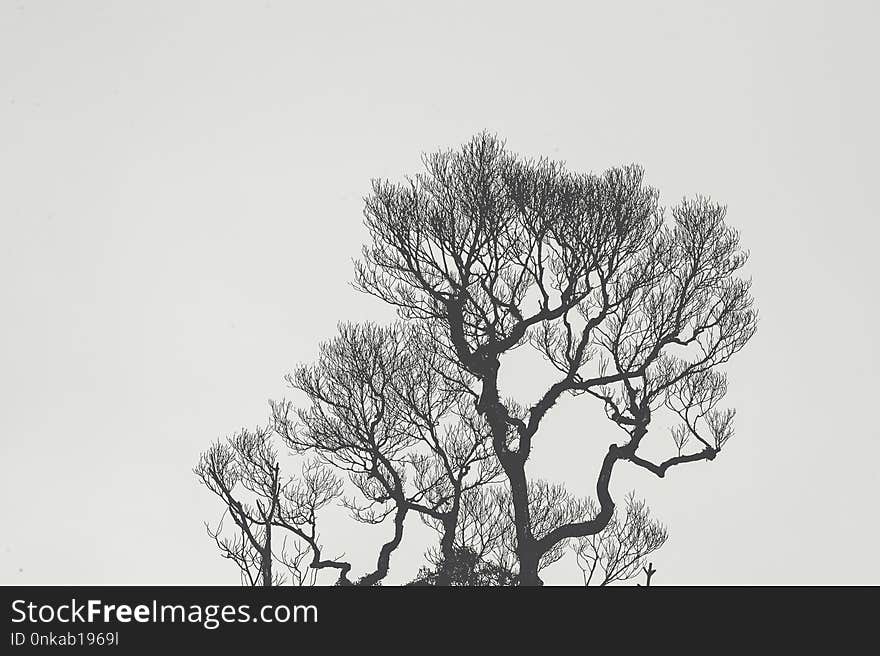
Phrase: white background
pixel 181 189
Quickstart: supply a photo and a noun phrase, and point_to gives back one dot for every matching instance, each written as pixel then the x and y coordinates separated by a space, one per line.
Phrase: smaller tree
pixel 388 410
pixel 244 472
pixel 245 461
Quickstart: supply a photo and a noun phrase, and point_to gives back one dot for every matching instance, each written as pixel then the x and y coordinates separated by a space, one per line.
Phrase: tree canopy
pixel 634 307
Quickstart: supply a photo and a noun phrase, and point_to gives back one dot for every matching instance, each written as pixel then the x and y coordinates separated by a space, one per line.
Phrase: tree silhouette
pixel 388 411
pixel 244 472
pixel 494 251
pixel 481 254
pixel 384 410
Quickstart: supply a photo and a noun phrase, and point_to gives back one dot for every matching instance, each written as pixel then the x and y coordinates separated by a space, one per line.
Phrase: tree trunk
pixel 526 545
pixel 386 550
pixel 528 567
pixel 447 549
pixel 266 558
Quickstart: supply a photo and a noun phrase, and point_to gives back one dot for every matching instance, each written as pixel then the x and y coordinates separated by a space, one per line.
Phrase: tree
pixel 245 460
pixel 483 253
pixel 491 251
pixel 388 411
pixel 246 466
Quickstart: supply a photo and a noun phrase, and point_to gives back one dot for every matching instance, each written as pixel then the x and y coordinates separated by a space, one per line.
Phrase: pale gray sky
pixel 181 201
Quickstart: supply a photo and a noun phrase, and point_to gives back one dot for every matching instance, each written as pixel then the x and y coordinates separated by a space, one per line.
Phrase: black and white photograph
pixel 301 296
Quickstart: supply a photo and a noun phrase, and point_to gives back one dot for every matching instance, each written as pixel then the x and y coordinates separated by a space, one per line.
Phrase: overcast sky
pixel 181 200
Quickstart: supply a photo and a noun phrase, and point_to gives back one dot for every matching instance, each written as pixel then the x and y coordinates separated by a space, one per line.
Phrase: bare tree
pixel 484 253
pixel 383 408
pixel 245 460
pixel 244 472
pixel 390 413
pixel 493 251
